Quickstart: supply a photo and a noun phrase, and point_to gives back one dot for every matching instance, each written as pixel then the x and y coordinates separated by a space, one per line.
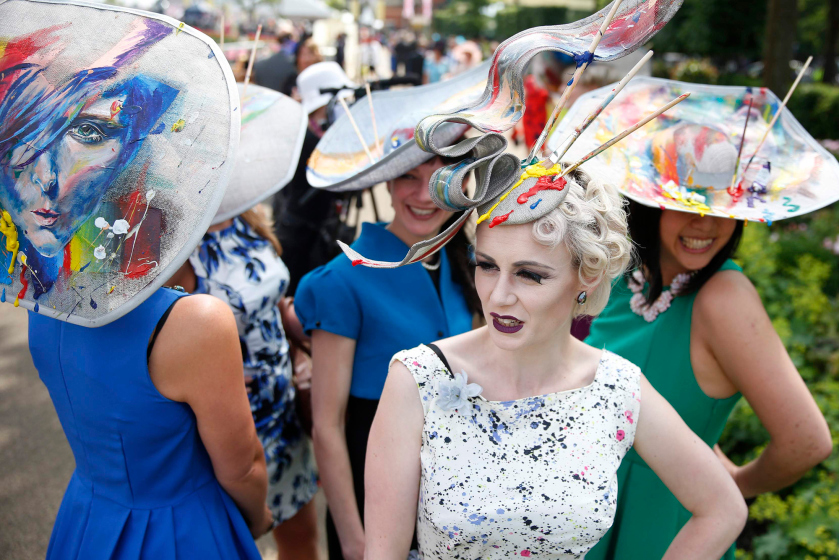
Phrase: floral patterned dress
pixel 534 477
pixel 240 267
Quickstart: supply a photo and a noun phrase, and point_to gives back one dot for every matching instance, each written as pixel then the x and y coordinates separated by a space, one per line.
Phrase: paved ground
pixel 35 459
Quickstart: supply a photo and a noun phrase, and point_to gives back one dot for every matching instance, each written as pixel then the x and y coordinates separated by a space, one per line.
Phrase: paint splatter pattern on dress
pixel 534 477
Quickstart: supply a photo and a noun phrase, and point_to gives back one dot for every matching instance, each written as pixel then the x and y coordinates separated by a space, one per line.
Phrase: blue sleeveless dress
pixel 144 486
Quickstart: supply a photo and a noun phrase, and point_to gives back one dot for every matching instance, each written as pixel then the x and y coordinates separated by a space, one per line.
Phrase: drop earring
pixel 581 298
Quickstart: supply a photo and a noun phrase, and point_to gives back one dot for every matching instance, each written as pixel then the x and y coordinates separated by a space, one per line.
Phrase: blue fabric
pixel 383 310
pixel 144 486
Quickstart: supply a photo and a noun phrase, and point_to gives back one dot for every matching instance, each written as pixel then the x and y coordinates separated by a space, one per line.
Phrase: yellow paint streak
pixel 8 228
pixel 179 125
pixel 676 195
pixel 535 170
pixel 76 249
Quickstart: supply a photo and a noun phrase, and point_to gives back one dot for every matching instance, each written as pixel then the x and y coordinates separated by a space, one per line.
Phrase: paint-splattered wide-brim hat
pixel 273 128
pixel 686 159
pixel 341 163
pixel 118 133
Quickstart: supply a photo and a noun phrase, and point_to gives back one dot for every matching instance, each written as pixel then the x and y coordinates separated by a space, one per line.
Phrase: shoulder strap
pixel 162 321
pixel 440 355
pixel 426 367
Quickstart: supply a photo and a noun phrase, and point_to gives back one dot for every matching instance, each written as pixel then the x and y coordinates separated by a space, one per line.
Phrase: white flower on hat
pixel 99 252
pixel 454 393
pixel 101 223
pixel 120 227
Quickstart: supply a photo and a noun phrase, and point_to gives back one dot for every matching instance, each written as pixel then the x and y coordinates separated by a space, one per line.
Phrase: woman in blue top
pixel 359 318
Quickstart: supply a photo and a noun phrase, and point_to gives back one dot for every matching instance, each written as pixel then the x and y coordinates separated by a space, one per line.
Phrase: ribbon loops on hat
pixel 494 170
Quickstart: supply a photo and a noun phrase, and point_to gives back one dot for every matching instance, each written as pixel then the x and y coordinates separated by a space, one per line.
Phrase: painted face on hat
pixel 528 290
pixel 689 241
pixel 63 145
pixel 50 193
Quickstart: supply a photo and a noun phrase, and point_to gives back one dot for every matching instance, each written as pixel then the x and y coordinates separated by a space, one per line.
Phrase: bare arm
pixel 691 471
pixel 332 359
pixel 197 360
pixel 392 474
pixel 733 327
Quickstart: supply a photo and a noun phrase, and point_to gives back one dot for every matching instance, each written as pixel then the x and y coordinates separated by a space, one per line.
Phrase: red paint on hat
pixel 543 184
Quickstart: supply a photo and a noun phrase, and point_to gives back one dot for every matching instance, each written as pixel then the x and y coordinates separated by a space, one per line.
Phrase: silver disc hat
pixel 118 133
pixel 384 148
pixel 506 187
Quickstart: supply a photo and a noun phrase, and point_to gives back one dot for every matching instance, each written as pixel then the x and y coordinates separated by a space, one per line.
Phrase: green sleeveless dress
pixel 648 515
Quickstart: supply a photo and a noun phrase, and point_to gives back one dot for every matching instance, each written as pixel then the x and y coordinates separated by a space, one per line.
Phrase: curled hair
pixel 591 221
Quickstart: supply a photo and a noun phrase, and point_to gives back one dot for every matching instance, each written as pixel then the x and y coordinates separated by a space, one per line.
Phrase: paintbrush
pixel 778 113
pixel 587 57
pixel 250 62
pixel 559 152
pixel 740 150
pixel 355 127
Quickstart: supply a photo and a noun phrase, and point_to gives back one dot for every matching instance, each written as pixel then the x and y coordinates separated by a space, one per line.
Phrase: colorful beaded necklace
pixel 649 311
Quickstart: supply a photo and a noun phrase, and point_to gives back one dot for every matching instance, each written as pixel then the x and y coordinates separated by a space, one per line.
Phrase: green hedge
pixel 816 106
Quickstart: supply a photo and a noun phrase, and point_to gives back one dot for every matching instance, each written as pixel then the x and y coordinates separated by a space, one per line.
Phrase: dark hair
pixel 644 230
pixel 459 250
pixel 462 264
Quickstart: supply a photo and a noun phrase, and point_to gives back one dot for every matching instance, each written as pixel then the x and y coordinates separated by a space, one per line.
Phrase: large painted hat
pixel 686 159
pixel 341 162
pixel 509 191
pixel 273 128
pixel 118 132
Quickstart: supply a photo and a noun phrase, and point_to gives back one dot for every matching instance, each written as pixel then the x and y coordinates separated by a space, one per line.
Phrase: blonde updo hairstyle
pixel 591 221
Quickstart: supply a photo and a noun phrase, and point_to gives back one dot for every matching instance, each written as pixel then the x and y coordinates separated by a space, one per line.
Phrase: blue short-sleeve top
pixel 383 310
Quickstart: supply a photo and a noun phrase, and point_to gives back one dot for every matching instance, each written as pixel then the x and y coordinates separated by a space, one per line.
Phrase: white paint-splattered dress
pixel 534 477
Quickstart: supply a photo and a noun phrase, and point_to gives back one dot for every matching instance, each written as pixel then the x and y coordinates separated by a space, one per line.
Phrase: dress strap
pixel 440 355
pixel 427 366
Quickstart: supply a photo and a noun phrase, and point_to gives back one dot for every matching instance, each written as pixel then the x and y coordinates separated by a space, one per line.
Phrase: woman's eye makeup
pixel 529 275
pixel 486 267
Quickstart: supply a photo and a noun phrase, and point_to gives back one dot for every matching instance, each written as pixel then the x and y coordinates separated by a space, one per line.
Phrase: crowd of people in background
pixel 332 354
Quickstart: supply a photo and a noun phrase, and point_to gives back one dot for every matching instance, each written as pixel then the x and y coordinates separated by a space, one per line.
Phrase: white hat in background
pixel 273 127
pixel 322 75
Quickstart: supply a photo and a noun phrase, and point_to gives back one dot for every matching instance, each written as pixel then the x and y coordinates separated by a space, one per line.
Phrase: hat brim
pixel 340 163
pixel 647 166
pixel 272 134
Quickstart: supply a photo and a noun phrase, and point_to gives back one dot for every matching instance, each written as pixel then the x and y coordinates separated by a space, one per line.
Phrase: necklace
pixel 434 266
pixel 649 311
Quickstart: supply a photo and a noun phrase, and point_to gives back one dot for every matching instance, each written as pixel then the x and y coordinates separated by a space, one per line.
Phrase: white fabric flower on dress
pixel 454 393
pixel 99 252
pixel 101 223
pixel 120 227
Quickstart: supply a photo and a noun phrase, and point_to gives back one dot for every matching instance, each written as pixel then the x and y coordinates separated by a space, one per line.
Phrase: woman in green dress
pixel 690 318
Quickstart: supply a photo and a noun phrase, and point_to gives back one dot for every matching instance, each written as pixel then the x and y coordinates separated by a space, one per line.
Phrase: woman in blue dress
pixel 239 262
pixel 168 463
